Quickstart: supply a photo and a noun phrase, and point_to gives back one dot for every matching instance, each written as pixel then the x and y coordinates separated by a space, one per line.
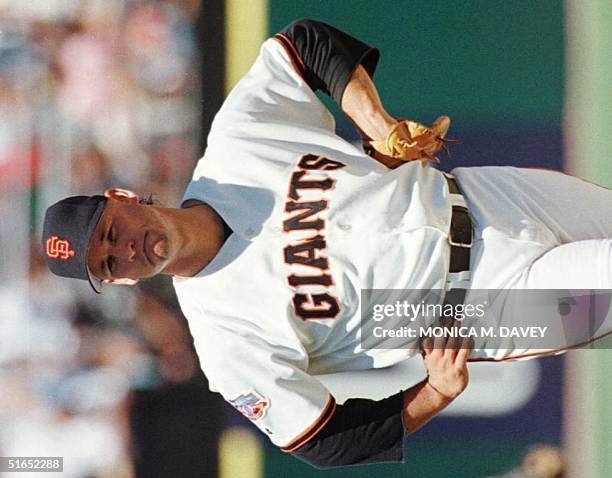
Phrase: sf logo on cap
pixel 59 248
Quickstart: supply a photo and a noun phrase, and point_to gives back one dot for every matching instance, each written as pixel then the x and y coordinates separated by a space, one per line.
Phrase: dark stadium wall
pixel 211 41
pixel 496 68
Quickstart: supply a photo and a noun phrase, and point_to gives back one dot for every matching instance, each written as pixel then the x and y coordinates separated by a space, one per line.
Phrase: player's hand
pixel 446 363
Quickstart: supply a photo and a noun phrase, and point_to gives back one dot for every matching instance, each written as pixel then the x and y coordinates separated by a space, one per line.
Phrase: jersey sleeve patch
pixel 252 405
pixel 313 429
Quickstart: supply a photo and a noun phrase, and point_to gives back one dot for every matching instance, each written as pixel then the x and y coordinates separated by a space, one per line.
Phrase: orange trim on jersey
pixel 292 53
pixel 541 354
pixel 312 430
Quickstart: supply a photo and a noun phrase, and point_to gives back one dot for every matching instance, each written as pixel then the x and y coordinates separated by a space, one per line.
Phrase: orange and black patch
pixel 57 248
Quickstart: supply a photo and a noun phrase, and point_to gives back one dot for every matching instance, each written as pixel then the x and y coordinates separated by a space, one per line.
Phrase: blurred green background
pixel 479 61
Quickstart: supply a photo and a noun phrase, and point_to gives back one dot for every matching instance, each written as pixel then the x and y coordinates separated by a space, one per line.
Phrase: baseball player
pixel 284 223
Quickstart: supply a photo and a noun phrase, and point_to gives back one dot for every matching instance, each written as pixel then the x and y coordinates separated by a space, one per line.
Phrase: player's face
pixel 131 241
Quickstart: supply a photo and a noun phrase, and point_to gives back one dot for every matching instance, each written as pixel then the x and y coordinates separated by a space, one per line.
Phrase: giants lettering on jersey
pixel 310 252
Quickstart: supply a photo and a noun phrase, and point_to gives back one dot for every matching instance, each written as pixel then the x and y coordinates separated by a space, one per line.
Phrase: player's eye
pixel 110 264
pixel 112 234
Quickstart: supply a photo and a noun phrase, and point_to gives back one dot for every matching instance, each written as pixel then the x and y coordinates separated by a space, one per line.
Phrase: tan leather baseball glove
pixel 410 140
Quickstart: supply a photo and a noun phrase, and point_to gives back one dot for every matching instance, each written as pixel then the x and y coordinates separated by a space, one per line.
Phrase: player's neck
pixel 201 234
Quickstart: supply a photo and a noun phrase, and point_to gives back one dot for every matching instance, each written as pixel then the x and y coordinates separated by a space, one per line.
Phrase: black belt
pixel 461 233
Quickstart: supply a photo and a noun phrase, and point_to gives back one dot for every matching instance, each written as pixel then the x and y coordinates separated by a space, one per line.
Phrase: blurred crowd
pixel 93 93
pixel 109 86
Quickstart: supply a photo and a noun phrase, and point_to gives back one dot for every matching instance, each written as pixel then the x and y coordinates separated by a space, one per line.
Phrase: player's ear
pixel 124 195
pixel 125 281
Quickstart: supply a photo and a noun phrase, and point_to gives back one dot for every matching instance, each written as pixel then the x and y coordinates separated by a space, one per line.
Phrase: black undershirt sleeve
pixel 360 431
pixel 329 56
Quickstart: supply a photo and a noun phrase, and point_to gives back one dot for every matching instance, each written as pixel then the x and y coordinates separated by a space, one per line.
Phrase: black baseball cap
pixel 69 225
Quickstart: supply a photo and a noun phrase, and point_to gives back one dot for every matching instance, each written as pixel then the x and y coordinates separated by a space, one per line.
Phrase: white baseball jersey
pixel 314 222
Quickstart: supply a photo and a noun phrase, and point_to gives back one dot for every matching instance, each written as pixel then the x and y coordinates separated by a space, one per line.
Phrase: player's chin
pixel 144 272
pixel 155 269
pixel 149 273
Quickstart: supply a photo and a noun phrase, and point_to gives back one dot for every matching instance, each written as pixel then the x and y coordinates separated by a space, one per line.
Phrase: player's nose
pixel 131 251
pixel 126 251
